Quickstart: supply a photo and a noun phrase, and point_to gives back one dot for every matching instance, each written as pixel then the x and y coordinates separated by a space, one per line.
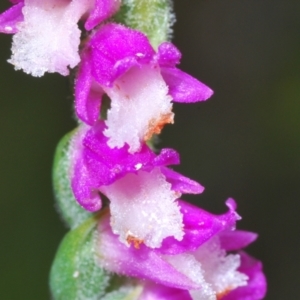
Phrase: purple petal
pixel 183 87
pixel 103 9
pixel 11 17
pixel 181 183
pixel 87 94
pixel 153 291
pixel 81 183
pixel 142 263
pixel 168 55
pixel 109 61
pixel 199 227
pixel 167 157
pixel 236 240
pixel 257 284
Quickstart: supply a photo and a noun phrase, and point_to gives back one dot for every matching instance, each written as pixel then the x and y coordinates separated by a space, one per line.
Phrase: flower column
pixel 131 237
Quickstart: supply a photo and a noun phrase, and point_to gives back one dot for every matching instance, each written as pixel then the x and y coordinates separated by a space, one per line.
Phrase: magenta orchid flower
pixel 141 189
pixel 140 83
pixel 46 35
pixel 200 269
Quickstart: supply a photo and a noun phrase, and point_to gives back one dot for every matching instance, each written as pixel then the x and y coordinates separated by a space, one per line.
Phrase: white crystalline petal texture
pixel 188 265
pixel 209 266
pixel 140 105
pixel 48 39
pixel 143 208
pixel 220 269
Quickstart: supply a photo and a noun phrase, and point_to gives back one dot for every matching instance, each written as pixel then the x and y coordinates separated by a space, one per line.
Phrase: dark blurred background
pixel 244 142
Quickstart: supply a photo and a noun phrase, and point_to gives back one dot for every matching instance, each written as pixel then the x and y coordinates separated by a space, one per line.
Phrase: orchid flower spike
pixel 140 83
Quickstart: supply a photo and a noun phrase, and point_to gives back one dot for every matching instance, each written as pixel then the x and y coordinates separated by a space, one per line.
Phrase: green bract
pixel 75 274
pixel 154 18
pixel 72 213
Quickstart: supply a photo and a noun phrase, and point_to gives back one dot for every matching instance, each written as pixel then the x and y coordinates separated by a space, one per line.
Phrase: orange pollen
pixel 135 241
pixel 223 293
pixel 177 194
pixel 155 126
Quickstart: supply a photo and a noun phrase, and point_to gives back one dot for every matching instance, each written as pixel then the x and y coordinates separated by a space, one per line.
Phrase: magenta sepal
pixel 183 87
pixel 238 239
pixel 85 89
pixel 199 227
pixel 11 17
pixel 102 10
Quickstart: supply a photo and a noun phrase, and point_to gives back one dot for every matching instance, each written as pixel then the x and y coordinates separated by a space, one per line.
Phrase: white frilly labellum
pixel 214 271
pixel 48 38
pixel 143 209
pixel 140 107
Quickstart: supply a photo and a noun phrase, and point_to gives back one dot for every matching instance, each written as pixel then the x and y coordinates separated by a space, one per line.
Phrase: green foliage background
pixel 244 142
